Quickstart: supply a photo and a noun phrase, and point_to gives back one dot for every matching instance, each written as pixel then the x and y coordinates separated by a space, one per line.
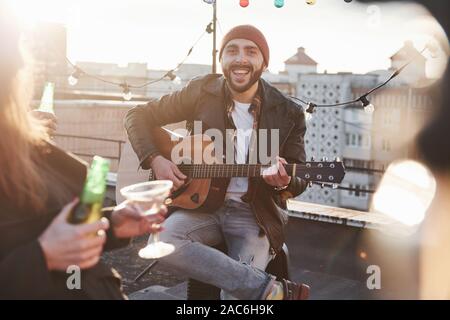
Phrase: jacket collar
pixel 271 96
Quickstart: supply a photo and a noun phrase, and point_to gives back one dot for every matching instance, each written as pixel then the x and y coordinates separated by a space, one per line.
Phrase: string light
pixel 368 107
pixel 127 95
pixel 244 3
pixel 279 3
pixel 209 28
pixel 173 77
pixel 73 78
pixel 309 111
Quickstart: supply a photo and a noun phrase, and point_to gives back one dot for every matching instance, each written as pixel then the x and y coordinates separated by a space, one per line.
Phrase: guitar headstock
pixel 331 172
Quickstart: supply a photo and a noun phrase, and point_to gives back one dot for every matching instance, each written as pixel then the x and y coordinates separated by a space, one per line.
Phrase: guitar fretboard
pixel 222 170
pixel 332 172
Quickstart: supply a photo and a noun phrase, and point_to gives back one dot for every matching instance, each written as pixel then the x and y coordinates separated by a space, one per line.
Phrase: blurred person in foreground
pixel 434 150
pixel 38 188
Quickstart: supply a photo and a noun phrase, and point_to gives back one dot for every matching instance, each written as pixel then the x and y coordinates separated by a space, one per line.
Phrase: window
pixel 366 141
pixel 357 190
pixel 359 140
pixel 385 145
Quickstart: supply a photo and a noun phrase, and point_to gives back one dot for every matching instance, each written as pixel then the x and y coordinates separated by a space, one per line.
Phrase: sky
pixel 340 36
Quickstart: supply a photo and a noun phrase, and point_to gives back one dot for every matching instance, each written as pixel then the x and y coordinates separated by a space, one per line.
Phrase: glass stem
pixel 156 237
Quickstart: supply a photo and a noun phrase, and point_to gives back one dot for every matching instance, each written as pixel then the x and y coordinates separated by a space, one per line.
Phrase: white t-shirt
pixel 243 120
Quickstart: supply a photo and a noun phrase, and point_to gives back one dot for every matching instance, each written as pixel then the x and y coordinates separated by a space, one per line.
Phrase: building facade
pixel 366 142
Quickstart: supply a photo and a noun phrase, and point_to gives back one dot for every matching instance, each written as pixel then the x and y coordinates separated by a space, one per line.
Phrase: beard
pixel 255 75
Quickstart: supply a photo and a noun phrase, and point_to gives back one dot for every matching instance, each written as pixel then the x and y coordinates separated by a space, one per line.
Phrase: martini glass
pixel 148 197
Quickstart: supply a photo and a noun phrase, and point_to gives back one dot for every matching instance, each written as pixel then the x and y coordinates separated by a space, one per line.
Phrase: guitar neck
pixel 223 170
pixel 312 171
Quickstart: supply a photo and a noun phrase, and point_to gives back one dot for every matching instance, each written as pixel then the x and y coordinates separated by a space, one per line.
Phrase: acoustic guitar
pixel 200 189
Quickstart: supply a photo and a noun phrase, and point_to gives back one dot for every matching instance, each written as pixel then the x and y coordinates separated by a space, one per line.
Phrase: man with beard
pixel 251 219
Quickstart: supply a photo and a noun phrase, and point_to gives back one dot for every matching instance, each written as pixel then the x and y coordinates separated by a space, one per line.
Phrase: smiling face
pixel 242 64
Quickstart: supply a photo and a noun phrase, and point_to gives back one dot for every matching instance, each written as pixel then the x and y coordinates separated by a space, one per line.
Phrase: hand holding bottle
pixel 65 244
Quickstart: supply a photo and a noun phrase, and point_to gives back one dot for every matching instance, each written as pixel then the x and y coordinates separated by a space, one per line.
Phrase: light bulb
pixel 127 95
pixel 279 3
pixel 177 80
pixel 72 80
pixel 308 116
pixel 244 3
pixel 369 108
pixel 171 76
pixel 311 2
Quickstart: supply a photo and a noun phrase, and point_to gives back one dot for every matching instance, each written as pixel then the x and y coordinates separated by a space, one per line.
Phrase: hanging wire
pixel 80 72
pixel 362 98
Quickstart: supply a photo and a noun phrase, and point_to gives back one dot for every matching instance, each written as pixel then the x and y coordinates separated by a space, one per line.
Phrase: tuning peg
pixel 334 185
pixel 313 159
pixel 337 159
pixel 322 185
pixel 324 159
pixel 310 184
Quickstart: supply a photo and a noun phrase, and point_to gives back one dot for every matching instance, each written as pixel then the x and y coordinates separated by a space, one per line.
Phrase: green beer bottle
pixel 89 208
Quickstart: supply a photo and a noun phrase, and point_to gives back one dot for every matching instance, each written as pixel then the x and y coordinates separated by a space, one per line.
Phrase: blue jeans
pixel 240 273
